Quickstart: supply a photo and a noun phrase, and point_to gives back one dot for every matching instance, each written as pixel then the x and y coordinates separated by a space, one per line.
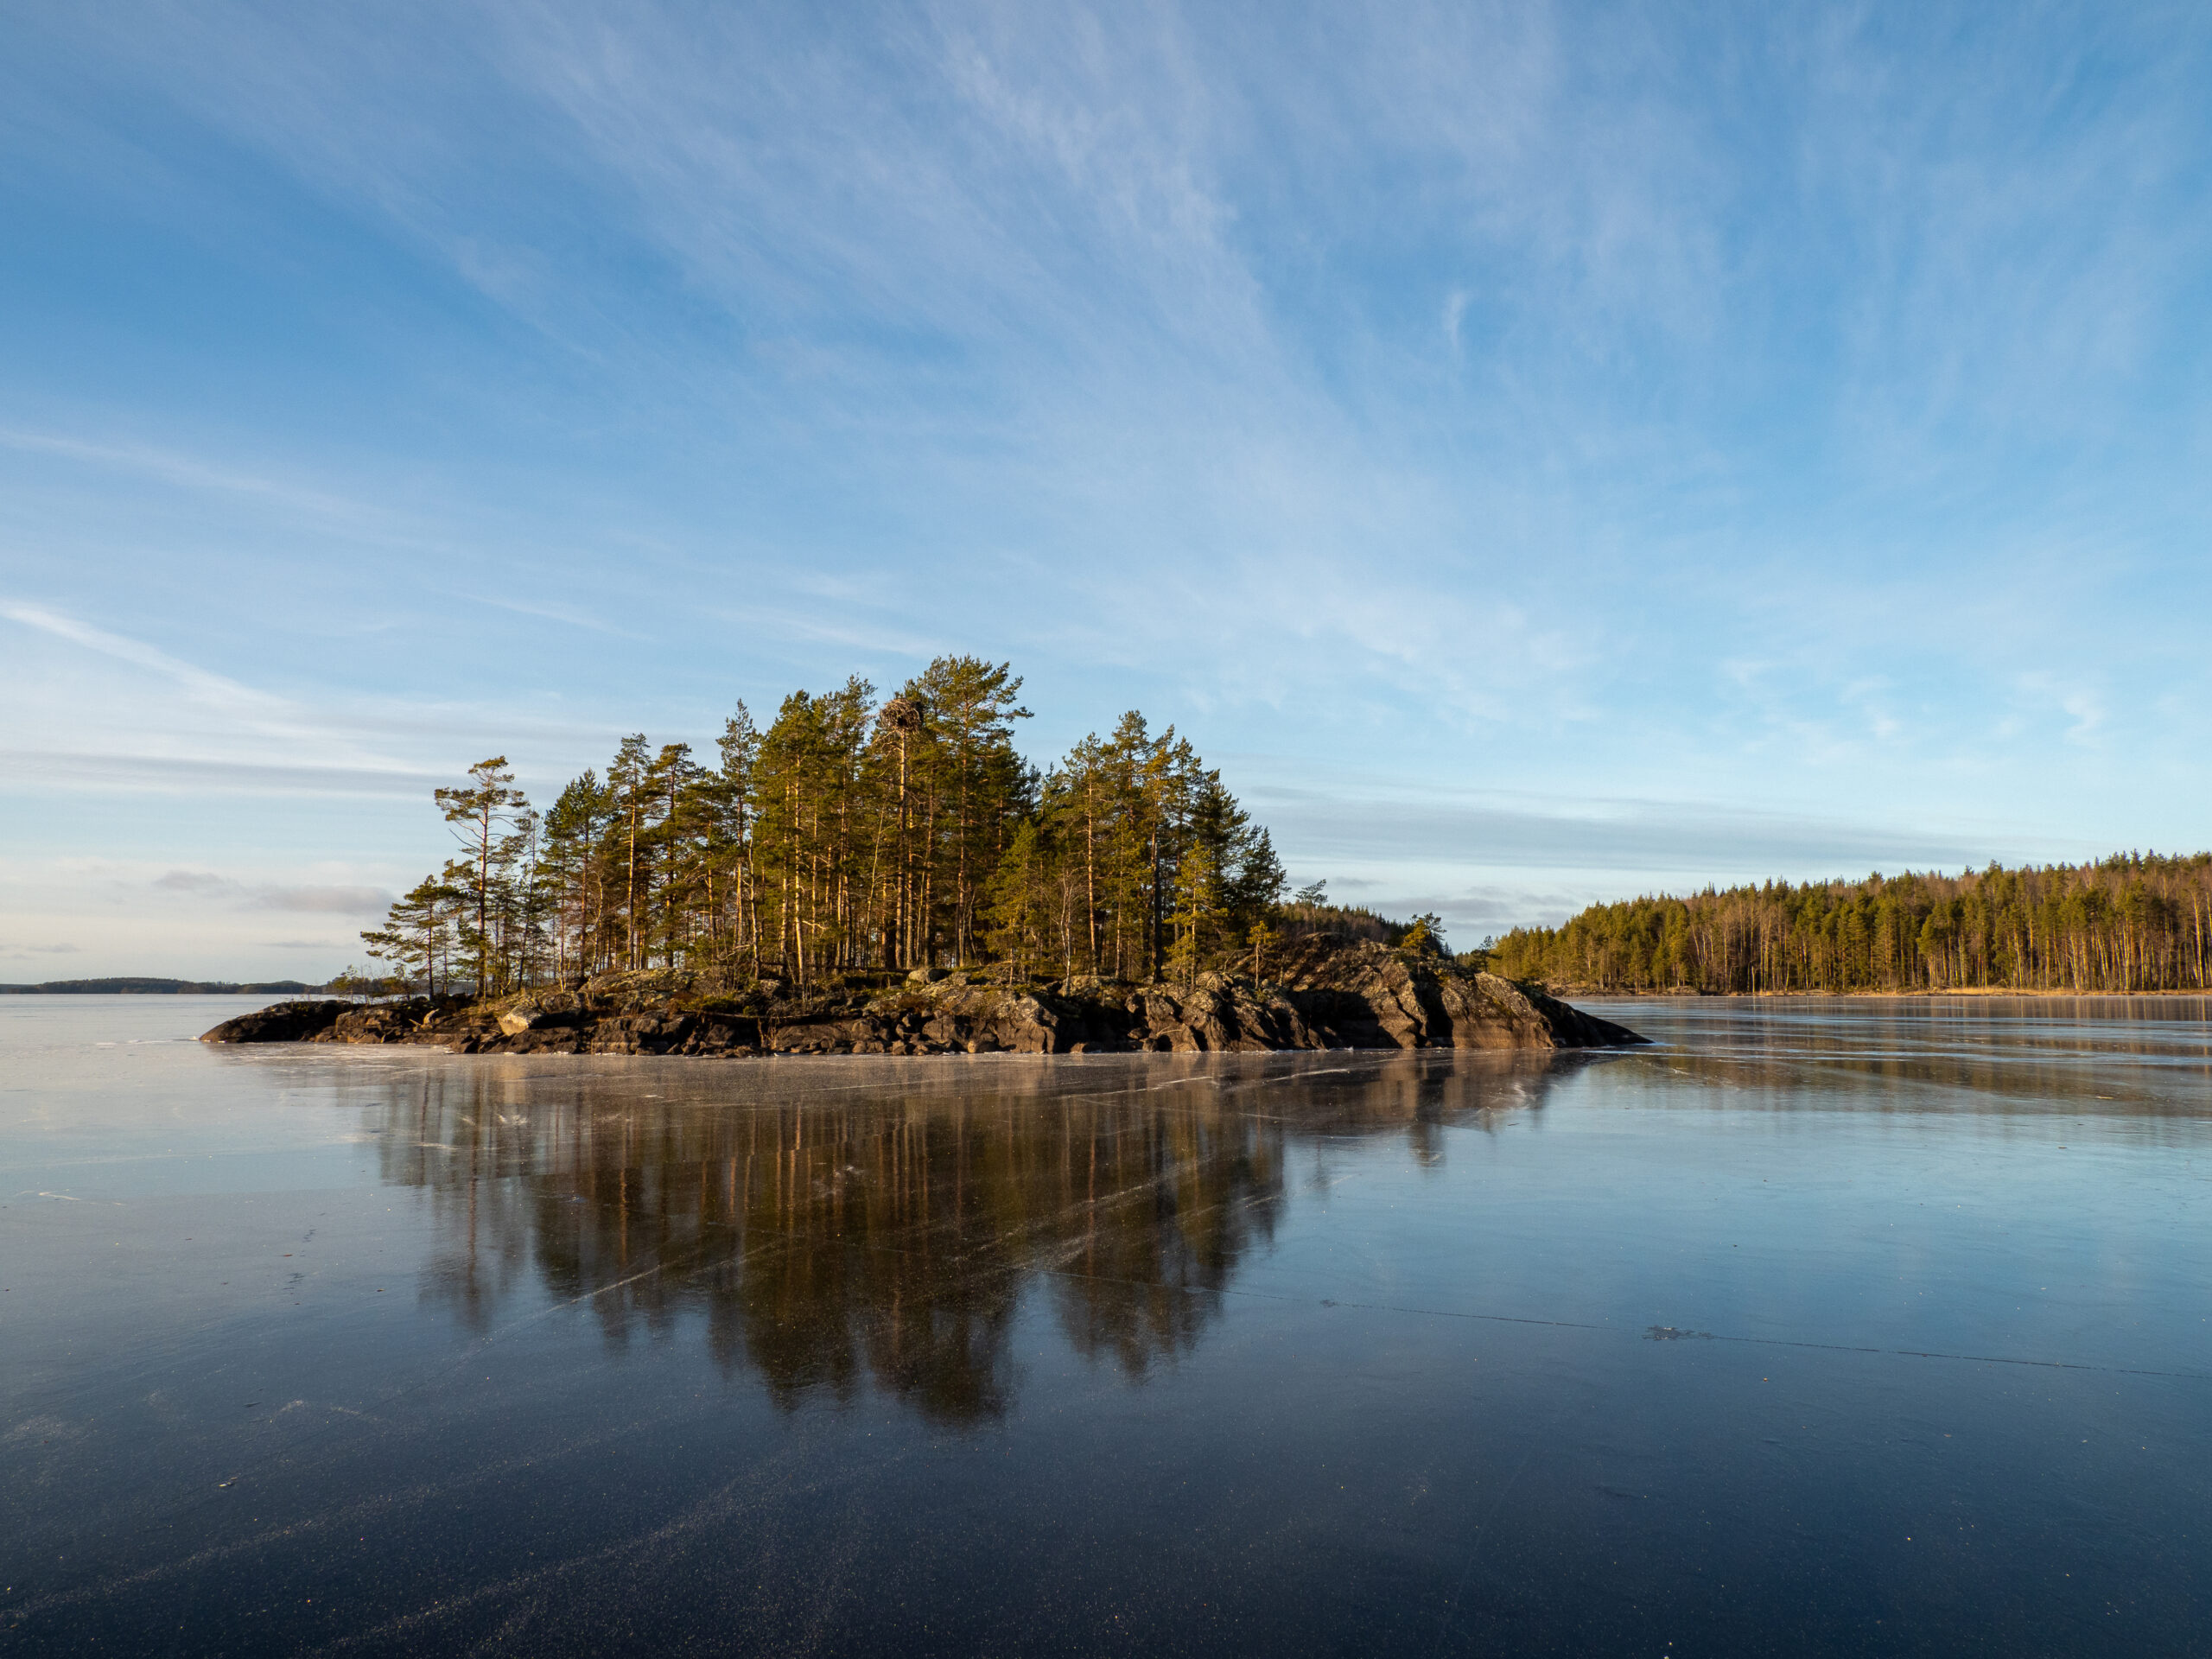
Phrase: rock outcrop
pixel 283 1022
pixel 1327 994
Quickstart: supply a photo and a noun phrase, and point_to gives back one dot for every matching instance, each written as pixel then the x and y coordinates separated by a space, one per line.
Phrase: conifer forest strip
pixel 2132 923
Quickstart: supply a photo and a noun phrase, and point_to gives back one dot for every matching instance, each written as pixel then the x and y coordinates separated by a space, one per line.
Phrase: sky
pixel 1542 454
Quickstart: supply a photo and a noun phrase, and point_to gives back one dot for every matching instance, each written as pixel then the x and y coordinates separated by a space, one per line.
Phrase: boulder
pixel 379 1022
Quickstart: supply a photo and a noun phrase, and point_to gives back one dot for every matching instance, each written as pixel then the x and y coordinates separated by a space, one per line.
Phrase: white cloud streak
pixel 211 689
pixel 333 900
pixel 186 472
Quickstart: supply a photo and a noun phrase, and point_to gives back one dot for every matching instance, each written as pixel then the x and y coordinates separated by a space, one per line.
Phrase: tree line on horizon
pixel 852 833
pixel 2133 922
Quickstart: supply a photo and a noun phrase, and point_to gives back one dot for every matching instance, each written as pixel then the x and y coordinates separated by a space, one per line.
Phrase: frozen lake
pixel 1820 1327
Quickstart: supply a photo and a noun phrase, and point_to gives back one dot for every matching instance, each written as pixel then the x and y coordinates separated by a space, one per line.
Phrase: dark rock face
pixel 286 1022
pixel 1329 994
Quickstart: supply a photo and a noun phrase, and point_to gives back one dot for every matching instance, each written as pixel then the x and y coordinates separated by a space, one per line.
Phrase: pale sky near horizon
pixel 1540 453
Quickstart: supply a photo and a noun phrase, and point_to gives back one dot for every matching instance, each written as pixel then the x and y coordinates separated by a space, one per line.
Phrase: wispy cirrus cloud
pixel 1557 400
pixel 215 689
pixel 333 900
pixel 186 472
pixel 116 712
pixel 1682 838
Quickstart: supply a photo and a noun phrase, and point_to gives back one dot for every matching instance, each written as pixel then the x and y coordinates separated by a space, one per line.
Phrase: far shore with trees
pixel 2134 923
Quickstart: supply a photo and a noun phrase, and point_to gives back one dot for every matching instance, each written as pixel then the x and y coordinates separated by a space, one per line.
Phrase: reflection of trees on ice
pixel 841 1219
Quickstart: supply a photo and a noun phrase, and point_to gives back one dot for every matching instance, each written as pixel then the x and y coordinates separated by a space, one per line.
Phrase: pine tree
pixel 734 805
pixel 629 783
pixel 977 782
pixel 1022 900
pixel 1198 909
pixel 571 879
pixel 484 816
pixel 417 935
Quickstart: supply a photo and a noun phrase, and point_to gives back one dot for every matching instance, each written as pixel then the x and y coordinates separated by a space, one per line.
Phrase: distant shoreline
pixel 1986 993
pixel 132 986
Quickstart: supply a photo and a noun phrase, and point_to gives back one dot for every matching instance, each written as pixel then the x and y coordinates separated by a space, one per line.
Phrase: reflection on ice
pixel 876 1219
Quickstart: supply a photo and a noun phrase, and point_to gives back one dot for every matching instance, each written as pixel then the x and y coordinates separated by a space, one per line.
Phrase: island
pixel 893 876
pixel 1328 992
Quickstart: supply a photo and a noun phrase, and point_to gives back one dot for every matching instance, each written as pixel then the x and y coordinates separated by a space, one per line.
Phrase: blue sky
pixel 1542 454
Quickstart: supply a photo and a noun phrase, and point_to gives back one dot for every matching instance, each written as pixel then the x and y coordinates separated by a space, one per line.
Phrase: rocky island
pixel 1327 994
pixel 892 876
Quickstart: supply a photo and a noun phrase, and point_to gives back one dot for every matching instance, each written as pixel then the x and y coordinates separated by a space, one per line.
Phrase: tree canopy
pixel 851 834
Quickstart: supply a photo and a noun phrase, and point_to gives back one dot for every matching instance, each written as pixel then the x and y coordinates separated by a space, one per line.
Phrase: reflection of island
pixel 845 1220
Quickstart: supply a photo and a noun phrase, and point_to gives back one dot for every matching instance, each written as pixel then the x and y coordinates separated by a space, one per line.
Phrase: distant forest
pixel 2136 922
pixel 855 834
pixel 141 987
